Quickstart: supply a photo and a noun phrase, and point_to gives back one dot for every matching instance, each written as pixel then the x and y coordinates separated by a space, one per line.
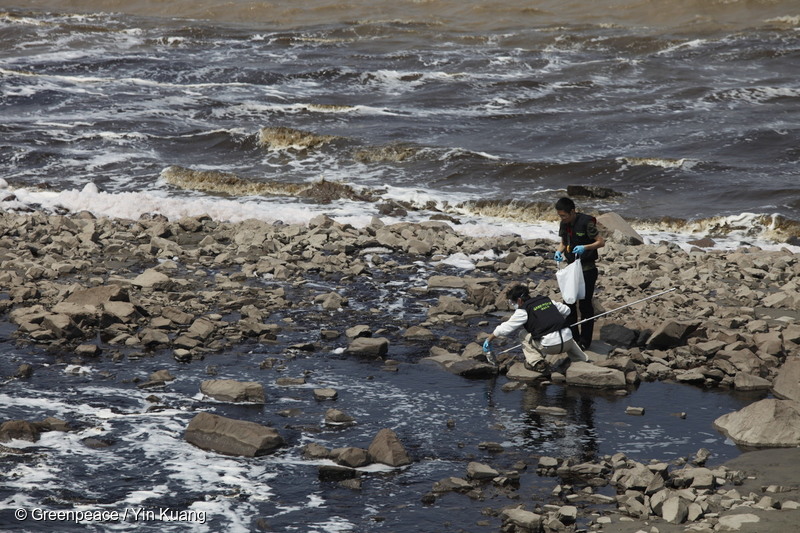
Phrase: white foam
pixel 132 205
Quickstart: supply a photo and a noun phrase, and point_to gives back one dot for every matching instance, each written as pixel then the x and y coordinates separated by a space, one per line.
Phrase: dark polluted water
pixel 145 465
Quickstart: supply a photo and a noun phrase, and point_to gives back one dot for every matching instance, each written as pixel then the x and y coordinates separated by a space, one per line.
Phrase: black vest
pixel 543 317
pixel 578 234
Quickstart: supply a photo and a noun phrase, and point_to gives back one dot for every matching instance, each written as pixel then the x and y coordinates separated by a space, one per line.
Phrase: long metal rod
pixel 603 314
pixel 624 306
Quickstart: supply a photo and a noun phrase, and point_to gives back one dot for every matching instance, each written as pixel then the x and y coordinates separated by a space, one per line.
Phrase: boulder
pixel 97 296
pixel 335 417
pixel 619 230
pixel 325 394
pixel 228 390
pixel 446 282
pixel 19 430
pixel 386 448
pixel 351 456
pixel 522 519
pixel 748 382
pixel 232 437
pixel 518 372
pixel 581 374
pixel 670 334
pixel 734 522
pixel 675 510
pixel 787 383
pixel 768 423
pixel 617 335
pixel 369 346
pixel 479 471
pixel 152 279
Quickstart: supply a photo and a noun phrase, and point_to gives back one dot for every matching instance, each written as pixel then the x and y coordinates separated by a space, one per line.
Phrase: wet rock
pixel 358 331
pixel 748 382
pixel 24 371
pixel 479 471
pixel 386 448
pixel 325 394
pixel 518 372
pixel 316 451
pixel 337 417
pixel 452 484
pixel 588 375
pixel 336 473
pixel 766 423
pixel 351 456
pixel 88 350
pixel 288 382
pixel 591 191
pixel 19 430
pixel 419 333
pixel 522 519
pixel 369 346
pixel 232 437
pixel 228 390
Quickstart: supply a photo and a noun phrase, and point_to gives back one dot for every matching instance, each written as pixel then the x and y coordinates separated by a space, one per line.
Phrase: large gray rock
pixel 97 296
pixel 369 346
pixel 152 279
pixel 386 448
pixel 480 471
pixel 228 390
pixel 671 333
pixel 518 372
pixel 619 230
pixel 522 519
pixel 20 430
pixel 588 375
pixel 768 423
pixel 232 437
pixel 675 510
pixel 787 382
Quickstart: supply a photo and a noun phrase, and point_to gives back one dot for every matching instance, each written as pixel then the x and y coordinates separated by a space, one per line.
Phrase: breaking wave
pixel 282 138
pixel 226 183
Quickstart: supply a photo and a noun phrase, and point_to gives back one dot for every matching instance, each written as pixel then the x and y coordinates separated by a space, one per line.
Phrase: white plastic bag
pixel 570 282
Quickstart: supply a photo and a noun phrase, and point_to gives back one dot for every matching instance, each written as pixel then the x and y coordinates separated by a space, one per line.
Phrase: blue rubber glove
pixel 578 250
pixel 559 257
pixel 487 347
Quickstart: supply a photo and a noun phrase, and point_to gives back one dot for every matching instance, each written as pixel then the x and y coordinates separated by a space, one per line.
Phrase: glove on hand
pixel 578 250
pixel 559 257
pixel 487 347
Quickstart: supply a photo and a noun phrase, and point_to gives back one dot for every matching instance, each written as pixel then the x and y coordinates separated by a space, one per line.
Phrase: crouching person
pixel 545 329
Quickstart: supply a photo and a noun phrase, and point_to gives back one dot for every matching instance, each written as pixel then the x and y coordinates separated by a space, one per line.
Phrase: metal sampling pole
pixel 603 314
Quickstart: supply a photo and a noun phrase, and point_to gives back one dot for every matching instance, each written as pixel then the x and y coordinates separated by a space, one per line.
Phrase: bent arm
pixel 511 325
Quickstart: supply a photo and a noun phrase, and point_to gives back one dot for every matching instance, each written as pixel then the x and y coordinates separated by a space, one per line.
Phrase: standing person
pixel 580 239
pixel 545 328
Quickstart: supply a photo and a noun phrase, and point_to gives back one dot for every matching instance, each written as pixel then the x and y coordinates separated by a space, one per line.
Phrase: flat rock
pixel 228 390
pixel 369 346
pixel 581 374
pixel 767 423
pixel 232 437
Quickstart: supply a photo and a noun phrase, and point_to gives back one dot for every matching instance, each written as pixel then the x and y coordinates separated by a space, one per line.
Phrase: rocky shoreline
pixel 82 288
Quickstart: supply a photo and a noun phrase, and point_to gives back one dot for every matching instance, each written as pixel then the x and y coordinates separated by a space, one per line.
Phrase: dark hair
pixel 518 291
pixel 565 204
